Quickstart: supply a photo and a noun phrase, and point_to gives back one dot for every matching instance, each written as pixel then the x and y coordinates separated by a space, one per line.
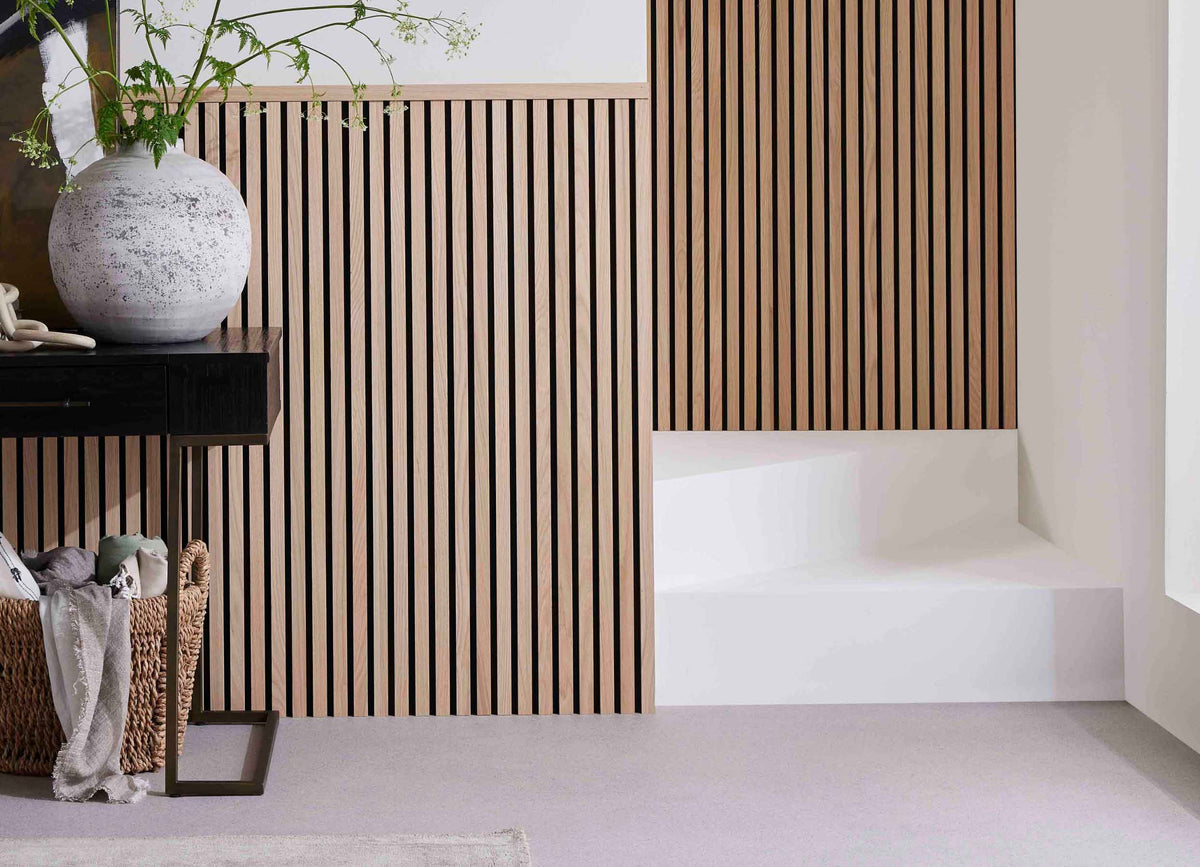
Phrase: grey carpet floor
pixel 906 784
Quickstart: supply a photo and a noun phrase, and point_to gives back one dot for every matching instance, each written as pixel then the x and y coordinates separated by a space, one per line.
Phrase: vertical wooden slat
pixel 460 286
pixel 835 229
pixel 585 351
pixel 645 403
pixel 339 508
pixel 680 328
pixel 623 325
pixel 783 325
pixel 1008 216
pixel 697 398
pixel 318 387
pixel 401 370
pixel 663 168
pixel 715 132
pixel 751 396
pixel 298 410
pixel 276 628
pixel 817 173
pixel 91 493
pixel 768 270
pixel 974 190
pixel 732 192
pixel 502 323
pixel 922 237
pixel 605 482
pixel 852 206
pixel 958 274
pixel 870 218
pixel 565 414
pixel 8 466
pixel 522 376
pixel 439 406
pixel 483 363
pixel 939 211
pixel 357 574
pixel 51 491
pixel 802 391
pixel 543 421
pixel 888 216
pixel 905 210
pixel 71 531
pixel 990 157
pixel 132 485
pixel 422 640
pixel 379 409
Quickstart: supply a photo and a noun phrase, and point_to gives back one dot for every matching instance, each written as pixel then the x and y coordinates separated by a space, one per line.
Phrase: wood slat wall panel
pixel 833 214
pixel 449 517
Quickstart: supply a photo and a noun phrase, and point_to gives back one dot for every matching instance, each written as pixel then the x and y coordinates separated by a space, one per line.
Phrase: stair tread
pixel 1003 557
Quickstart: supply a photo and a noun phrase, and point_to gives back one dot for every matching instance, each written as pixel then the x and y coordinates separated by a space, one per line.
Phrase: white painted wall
pixel 1092 278
pixel 537 41
pixel 1183 307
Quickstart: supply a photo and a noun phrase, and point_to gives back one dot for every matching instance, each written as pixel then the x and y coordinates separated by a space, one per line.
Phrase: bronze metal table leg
pixel 176 787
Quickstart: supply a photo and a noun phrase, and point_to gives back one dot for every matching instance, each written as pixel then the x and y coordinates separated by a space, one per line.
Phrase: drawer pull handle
pixel 43 404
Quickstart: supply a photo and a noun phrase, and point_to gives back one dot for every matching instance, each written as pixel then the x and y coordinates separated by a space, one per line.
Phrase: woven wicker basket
pixel 30 735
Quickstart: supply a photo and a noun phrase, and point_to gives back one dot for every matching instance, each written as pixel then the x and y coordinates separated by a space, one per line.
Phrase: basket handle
pixel 193 565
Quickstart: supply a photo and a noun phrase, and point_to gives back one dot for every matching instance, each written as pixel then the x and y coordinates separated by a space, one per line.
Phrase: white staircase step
pixel 993 614
pixel 728 504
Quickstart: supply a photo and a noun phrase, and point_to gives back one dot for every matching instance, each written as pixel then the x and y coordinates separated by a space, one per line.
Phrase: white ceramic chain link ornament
pixel 22 335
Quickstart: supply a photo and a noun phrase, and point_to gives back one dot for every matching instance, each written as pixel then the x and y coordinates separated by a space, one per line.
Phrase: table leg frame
pixel 268 719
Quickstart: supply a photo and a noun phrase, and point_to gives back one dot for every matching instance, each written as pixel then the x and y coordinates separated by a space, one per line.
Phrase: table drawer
pixel 96 400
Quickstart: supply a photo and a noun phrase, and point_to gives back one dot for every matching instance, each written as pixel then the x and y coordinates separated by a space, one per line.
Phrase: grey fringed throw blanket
pixel 86 632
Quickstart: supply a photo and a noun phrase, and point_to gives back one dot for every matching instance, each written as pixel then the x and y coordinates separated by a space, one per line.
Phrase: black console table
pixel 220 391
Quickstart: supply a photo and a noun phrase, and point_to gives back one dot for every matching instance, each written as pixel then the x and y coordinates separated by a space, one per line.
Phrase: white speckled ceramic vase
pixel 150 255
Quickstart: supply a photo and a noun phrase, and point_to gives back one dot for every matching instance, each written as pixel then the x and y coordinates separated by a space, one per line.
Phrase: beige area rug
pixel 501 849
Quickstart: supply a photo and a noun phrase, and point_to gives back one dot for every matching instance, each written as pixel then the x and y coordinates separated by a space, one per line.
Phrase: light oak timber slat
pixel 922 236
pixel 421 515
pixel 399 327
pixel 974 192
pixel 906 236
pixel 1008 192
pixel 801 234
pixel 645 403
pixel 71 531
pixel 51 491
pixel 277 588
pixel 853 208
pixel 663 251
pixel 11 488
pixel 766 278
pixel 506 699
pixel 543 421
pixel 482 365
pixel 30 505
pixel 339 509
pixel 622 408
pixel 298 572
pixel 318 452
pixel 698 361
pixel 523 519
pixel 112 487
pixel 565 414
pixel 605 481
pixel 131 486
pixel 681 370
pixel 818 244
pixel 869 90
pixel 941 368
pixel 732 223
pixel 439 403
pixel 751 396
pixel 460 286
pixel 586 354
pixel 378 404
pixel 889 216
pixel 957 275
pixel 91 492
pixel 715 133
pixel 991 206
pixel 785 255
pixel 357 574
pixel 835 230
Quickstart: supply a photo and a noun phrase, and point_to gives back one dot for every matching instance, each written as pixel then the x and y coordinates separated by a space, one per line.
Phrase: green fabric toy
pixel 114 549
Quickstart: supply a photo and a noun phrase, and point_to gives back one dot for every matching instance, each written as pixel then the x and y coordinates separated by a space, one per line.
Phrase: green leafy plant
pixel 148 104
